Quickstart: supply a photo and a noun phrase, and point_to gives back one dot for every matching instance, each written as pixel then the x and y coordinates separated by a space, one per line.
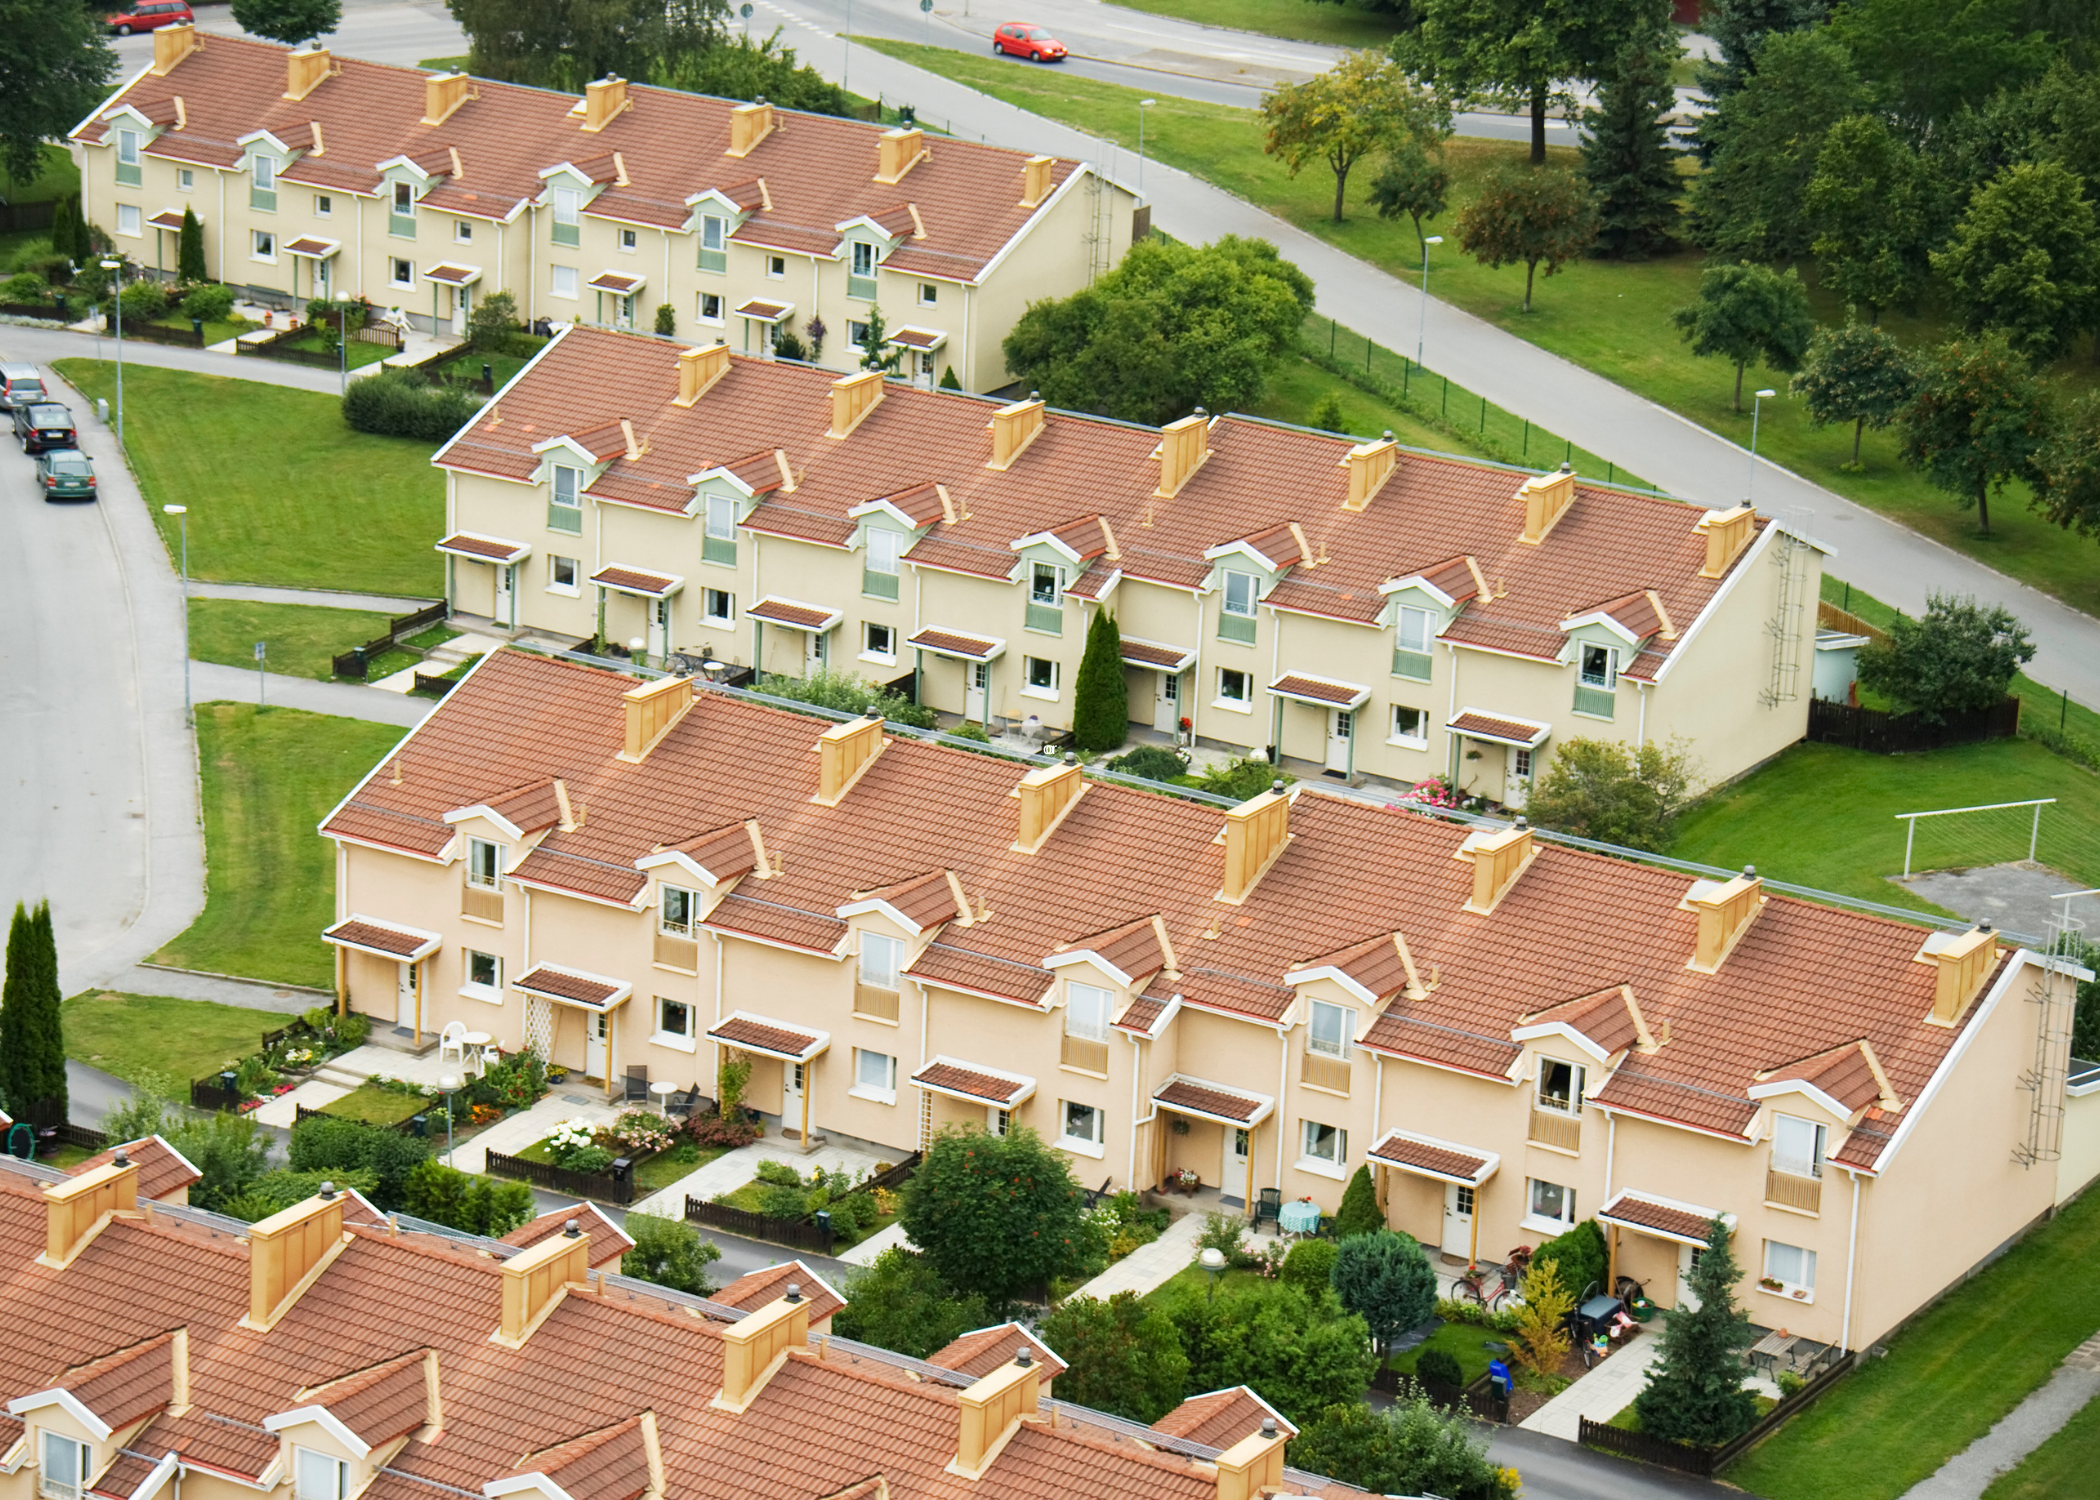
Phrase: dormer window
pixel 316 1476
pixel 1328 1029
pixel 1086 1012
pixel 714 243
pixel 718 545
pixel 881 961
pixel 401 216
pixel 262 187
pixel 568 216
pixel 484 864
pixel 565 499
pixel 675 915
pixel 860 271
pixel 1797 1146
pixel 129 171
pixel 1411 637
pixel 1597 682
pixel 1046 587
pixel 1236 613
pixel 885 560
pixel 62 1467
pixel 1560 1086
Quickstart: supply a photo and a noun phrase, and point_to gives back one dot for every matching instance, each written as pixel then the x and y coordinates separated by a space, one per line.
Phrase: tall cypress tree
pixel 14 1008
pixel 32 1046
pixel 1627 157
pixel 189 252
pixel 1100 698
pixel 1695 1392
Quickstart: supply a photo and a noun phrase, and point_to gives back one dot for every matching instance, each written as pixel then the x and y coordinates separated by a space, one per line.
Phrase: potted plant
pixel 1188 730
pixel 1771 1283
pixel 1187 1179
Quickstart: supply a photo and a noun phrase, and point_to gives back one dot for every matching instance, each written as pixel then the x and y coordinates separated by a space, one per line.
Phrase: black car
pixel 45 425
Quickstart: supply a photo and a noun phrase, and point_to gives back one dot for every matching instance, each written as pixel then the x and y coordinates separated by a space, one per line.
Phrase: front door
pixel 1518 777
pixel 405 996
pixel 1232 1183
pixel 1458 1219
pixel 506 593
pixel 814 653
pixel 791 1096
pixel 1166 703
pixel 1687 1259
pixel 978 676
pixel 660 629
pixel 1341 725
pixel 595 1027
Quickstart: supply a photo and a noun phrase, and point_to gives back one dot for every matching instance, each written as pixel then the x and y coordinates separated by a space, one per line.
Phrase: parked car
pixel 146 15
pixel 20 385
pixel 1019 39
pixel 65 474
pixel 45 426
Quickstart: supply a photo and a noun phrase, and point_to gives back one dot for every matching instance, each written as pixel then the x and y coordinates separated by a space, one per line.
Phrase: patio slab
pixel 1601 1394
pixel 284 1109
pixel 514 1133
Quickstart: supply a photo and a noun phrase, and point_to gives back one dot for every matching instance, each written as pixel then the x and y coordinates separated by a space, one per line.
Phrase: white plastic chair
pixel 452 1042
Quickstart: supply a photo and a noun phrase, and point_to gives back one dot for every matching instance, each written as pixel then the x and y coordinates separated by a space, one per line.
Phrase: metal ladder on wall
pixel 1100 234
pixel 1790 557
pixel 2052 1037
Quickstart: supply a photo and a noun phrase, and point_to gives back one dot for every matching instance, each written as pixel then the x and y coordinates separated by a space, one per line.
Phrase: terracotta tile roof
pixel 1866 1141
pixel 722 852
pixel 819 932
pixel 1100 576
pixel 957 643
pixel 1608 1018
pixel 918 338
pixel 758 307
pixel 382 937
pixel 1142 1015
pixel 776 611
pixel 167 218
pixel 1133 947
pixel 615 281
pixel 926 901
pixel 381 1403
pixel 767 1036
pixel 1635 611
pixel 982 973
pixel 755 1289
pixel 1412 1153
pixel 609 1464
pixel 1374 964
pixel 983 1350
pixel 921 502
pixel 466 544
pixel 1152 654
pixel 608 1240
pixel 1218 1419
pixel 1845 1073
pixel 123 1387
pixel 636 581
pixel 162 1169
pixel 528 808
pixel 543 979
pixel 119 1480
pixel 953 1077
pixel 1676 1220
pixel 1211 1099
pixel 1319 690
pixel 1487 726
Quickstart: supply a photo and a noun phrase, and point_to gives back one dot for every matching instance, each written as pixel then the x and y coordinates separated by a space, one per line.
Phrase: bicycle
pixel 1489 1296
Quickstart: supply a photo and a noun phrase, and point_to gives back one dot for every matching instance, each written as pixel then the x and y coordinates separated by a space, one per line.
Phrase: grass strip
pixel 129 1035
pixel 300 638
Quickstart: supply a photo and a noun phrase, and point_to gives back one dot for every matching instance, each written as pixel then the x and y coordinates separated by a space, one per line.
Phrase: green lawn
pixel 1298 385
pixel 1948 1377
pixel 431 639
pixel 182 1039
pixel 300 638
pixel 216 332
pixel 653 1175
pixel 56 178
pixel 2065 1465
pixel 361 353
pixel 1464 1342
pixel 1608 316
pixel 268 778
pixel 278 489
pixel 1299 20
pixel 370 1104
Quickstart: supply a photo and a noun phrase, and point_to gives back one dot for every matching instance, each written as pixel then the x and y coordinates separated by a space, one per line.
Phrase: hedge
pixel 405 403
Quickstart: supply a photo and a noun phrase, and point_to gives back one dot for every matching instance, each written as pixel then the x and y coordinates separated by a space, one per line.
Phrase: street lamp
pixel 1756 402
pixel 1143 105
pixel 1213 1261
pixel 181 513
pixel 1422 327
pixel 448 1085
pixel 638 649
pixel 117 279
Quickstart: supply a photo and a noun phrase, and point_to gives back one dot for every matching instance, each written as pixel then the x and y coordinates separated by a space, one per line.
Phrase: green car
pixel 65 474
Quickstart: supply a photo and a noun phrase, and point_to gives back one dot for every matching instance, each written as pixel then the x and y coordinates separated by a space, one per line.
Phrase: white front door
pixel 506 593
pixel 1233 1180
pixel 813 653
pixel 1687 1258
pixel 978 676
pixel 1341 725
pixel 595 1026
pixel 791 1096
pixel 405 997
pixel 1458 1219
pixel 1517 778
pixel 660 629
pixel 1166 703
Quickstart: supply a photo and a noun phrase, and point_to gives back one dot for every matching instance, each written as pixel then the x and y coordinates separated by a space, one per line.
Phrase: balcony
pixel 1086 1056
pixel 264 199
pixel 566 518
pixel 1413 665
pixel 1045 619
pixel 481 903
pixel 1596 702
pixel 715 261
pixel 401 226
pixel 1549 1127
pixel 132 174
pixel 875 1003
pixel 674 952
pixel 860 288
pixel 1322 1072
pixel 1236 628
pixel 568 234
pixel 718 549
pixel 1791 1190
pixel 876 585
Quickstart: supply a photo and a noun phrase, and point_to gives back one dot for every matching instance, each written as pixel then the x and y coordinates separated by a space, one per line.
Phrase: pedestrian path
pixel 211 680
pixel 1152 1265
pixel 183 984
pixel 1601 1394
pixel 264 593
pixel 513 1133
pixel 2020 1431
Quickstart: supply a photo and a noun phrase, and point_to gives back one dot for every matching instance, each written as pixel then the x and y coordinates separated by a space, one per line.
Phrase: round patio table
pixel 477 1042
pixel 663 1091
pixel 1298 1217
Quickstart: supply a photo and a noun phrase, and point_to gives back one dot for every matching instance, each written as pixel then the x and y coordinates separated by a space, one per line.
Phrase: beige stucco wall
pixel 2080 1162
pixel 1083 235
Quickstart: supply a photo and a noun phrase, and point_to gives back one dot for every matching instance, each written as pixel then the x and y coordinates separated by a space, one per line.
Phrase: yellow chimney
pixel 442 94
pixel 1013 429
pixel 852 398
pixel 991 1412
pixel 1252 1465
pixel 757 1346
pixel 1256 834
pixel 305 71
pixel 748 125
pixel 1046 795
pixel 652 709
pixel 171 44
pixel 602 102
pixel 287 1253
pixel 1965 962
pixel 898 151
pixel 1728 532
pixel 698 369
pixel 179 1373
pixel 76 1210
pixel 1725 914
pixel 1035 180
pixel 844 753
pixel 1546 499
pixel 536 1280
pixel 1498 860
pixel 1370 466
pixel 1181 452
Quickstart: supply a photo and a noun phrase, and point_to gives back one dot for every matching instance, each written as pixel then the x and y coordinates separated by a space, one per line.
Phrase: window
pixel 1046 582
pixel 185 180
pixel 1600 666
pixel 1797 1146
pixel 1039 674
pixel 863 258
pixel 1235 688
pixel 264 172
pixel 484 864
pixel 1552 1206
pixel 1410 727
pixel 404 271
pixel 324 206
pixel 1411 639
pixel 1086 1012
pixel 1080 1128
pixel 998 1121
pixel 874 1076
pixel 62 1472
pixel 880 642
pixel 882 563
pixel 1465 1202
pixel 484 975
pixel 776 267
pixel 401 216
pixel 264 245
pixel 714 243
pixel 881 958
pixel 462 232
pixel 316 1476
pixel 718 606
pixel 127 218
pixel 127 148
pixel 1323 1148
pixel 565 499
pixel 561 281
pixel 1328 1029
pixel 568 217
pixel 1520 766
pixel 563 573
pixel 1236 613
pixel 1560 1086
pixel 709 308
pixel 404 198
pixel 718 539
pixel 628 240
pixel 677 912
pixel 674 1018
pixel 929 294
pixel 860 273
pixel 1792 1267
pixel 856 334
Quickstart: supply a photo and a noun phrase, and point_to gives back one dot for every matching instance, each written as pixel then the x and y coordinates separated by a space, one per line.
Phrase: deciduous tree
pixel 1600 789
pixel 2025 258
pixel 1363 104
pixel 1979 420
pixel 1407 1448
pixel 32 1039
pixel 1855 374
pixel 1626 153
pixel 2067 489
pixel 669 1252
pixel 564 44
pixel 900 1302
pixel 1541 1340
pixel 1529 217
pixel 1738 28
pixel 1695 1392
pixel 1413 181
pixel 1959 658
pixel 1100 696
pixel 994 1214
pixel 1123 1355
pixel 55 66
pixel 1870 204
pixel 288 21
pixel 1747 312
pixel 1385 1279
pixel 1301 1352
pixel 1925 62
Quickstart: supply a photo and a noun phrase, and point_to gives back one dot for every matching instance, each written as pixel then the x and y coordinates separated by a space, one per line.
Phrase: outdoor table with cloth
pixel 1299 1217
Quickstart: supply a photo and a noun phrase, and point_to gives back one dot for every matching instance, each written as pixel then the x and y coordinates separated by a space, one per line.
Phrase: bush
pixel 475 1205
pixel 516 1081
pixel 1224 1233
pixel 1123 1355
pixel 1410 1448
pixel 1599 789
pixel 228 1149
pixel 1542 1337
pixel 1244 778
pixel 24 286
pixel 492 322
pixel 1301 1353
pixel 1153 762
pixel 787 346
pixel 670 1253
pixel 353 1030
pixel 144 300
pixel 1359 1213
pixel 323 1143
pixel 666 319
pixel 718 1130
pixel 404 403
pixel 1385 1279
pixel 1438 1367
pixel 845 692
pixel 642 1132
pixel 274 1192
pixel 1959 658
pixel 1583 1258
pixel 992 1214
pixel 970 729
pixel 589 1160
pixel 1309 1265
pixel 900 1303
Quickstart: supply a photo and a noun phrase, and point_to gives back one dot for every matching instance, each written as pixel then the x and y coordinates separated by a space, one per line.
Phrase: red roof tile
pixel 765 1036
pixel 756 1289
pixel 983 1350
pixel 546 980
pixel 1218 1419
pixel 1648 1213
pixel 162 1169
pixel 1436 1161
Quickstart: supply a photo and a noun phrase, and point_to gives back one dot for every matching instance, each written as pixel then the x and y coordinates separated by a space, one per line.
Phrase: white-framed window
pixel 929 294
pixel 674 1024
pixel 1410 727
pixel 629 240
pixel 885 551
pixel 856 333
pixel 708 308
pixel 1323 1149
pixel 1046 583
pixel 879 643
pixel 263 245
pixel 404 199
pixel 677 911
pixel 1038 677
pixel 776 268
pixel 316 1476
pixel 1520 764
pixel 1413 635
pixel 1079 1127
pixel 720 522
pixel 1600 666
pixel 1328 1029
pixel 1086 1011
pixel 62 1467
pixel 1412 631
pixel 1797 1146
pixel 863 258
pixel 568 210
pixel 128 148
pixel 718 606
pixel 324 206
pixel 185 180
pixel 264 168
pixel 484 864
pixel 463 231
pixel 874 1076
pixel 1792 1267
pixel 561 281
pixel 1235 689
pixel 1560 1086
pixel 1242 593
pixel 565 488
pixel 482 975
pixel 998 1121
pixel 128 219
pixel 1551 1207
pixel 404 272
pixel 564 574
pixel 881 961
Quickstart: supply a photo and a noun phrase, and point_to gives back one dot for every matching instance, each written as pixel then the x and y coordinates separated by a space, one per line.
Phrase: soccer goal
pixel 1997 833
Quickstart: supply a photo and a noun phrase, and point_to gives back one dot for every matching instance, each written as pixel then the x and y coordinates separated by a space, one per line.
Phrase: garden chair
pixel 637 1084
pixel 1268 1206
pixel 681 1104
pixel 452 1043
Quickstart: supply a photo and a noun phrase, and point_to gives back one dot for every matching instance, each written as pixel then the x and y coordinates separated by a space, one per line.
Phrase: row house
pixel 1363 609
pixel 903 936
pixel 317 176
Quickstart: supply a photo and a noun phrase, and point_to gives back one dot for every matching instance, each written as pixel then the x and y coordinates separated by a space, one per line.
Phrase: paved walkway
pixel 181 984
pixel 1601 1394
pixel 264 593
pixel 46 344
pixel 212 680
pixel 1152 1265
pixel 2020 1431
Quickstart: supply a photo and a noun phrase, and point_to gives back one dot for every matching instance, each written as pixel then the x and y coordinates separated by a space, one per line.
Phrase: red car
pixel 146 15
pixel 1019 39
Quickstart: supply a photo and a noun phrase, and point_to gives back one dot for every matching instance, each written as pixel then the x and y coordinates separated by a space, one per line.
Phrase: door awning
pixel 636 581
pixel 488 549
pixel 1500 729
pixel 1153 654
pixel 925 340
pixel 382 939
pixel 566 986
pixel 448 273
pixel 957 643
pixel 794 614
pixel 1663 1218
pixel 762 310
pixel 1212 1101
pixel 768 1037
pixel 619 283
pixel 1320 692
pixel 973 1083
pixel 310 247
pixel 167 218
pixel 1426 1156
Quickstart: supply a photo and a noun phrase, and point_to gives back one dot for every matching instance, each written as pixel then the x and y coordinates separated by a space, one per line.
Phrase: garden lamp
pixel 448 1085
pixel 181 513
pixel 1422 326
pixel 116 269
pixel 1757 402
pixel 1213 1261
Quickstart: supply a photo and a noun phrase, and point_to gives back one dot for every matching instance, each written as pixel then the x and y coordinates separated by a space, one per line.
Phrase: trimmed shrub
pixel 322 1143
pixel 1244 778
pixel 1359 1213
pixel 144 300
pixel 666 319
pixel 970 729
pixel 1153 762
pixel 1582 1256
pixel 1440 1367
pixel 404 403
pixel 1309 1265
pixel 24 286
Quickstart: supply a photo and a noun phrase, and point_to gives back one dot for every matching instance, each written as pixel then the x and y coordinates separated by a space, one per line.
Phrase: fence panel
pixel 796 1234
pixel 1784 1411
pixel 82 1136
pixel 1651 1450
pixel 435 682
pixel 1870 729
pixel 601 1185
pixel 206 1093
pixel 16 217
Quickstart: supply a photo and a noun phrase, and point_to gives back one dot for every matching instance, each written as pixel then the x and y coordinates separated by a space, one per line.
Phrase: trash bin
pixel 419 1124
pixel 102 412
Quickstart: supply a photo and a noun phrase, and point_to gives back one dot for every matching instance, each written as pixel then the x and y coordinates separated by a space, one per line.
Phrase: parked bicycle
pixel 1490 1287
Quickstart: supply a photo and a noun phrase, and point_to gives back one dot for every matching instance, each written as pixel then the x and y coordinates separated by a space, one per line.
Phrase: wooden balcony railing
pixel 874 1002
pixel 479 901
pixel 1789 1191
pixel 1549 1127
pixel 1323 1072
pixel 675 952
pixel 1090 1057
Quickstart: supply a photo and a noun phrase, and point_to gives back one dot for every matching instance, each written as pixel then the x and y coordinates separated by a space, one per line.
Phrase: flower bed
pixel 296 1048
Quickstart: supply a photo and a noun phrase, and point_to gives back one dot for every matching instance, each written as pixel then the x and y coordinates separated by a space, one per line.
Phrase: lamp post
pixel 1143 105
pixel 1756 402
pixel 448 1085
pixel 1213 1261
pixel 116 268
pixel 181 513
pixel 638 649
pixel 1422 325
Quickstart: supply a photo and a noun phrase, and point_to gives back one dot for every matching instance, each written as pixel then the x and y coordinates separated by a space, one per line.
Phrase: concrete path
pixel 212 681
pixel 867 1250
pixel 1151 1265
pixel 1601 1394
pixel 182 984
pixel 264 593
pixel 46 344
pixel 2020 1431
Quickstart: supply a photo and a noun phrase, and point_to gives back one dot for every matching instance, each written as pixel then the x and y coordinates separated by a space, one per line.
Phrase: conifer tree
pixel 189 253
pixel 32 1046
pixel 1359 1213
pixel 1101 699
pixel 1627 157
pixel 1695 1392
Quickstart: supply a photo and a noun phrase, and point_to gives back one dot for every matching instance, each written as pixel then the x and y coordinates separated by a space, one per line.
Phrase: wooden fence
pixel 1707 1462
pixel 1831 723
pixel 15 217
pixel 796 1234
pixel 409 1126
pixel 208 1093
pixel 1480 1399
pixel 1830 617
pixel 607 1187
pixel 437 684
pixel 352 663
